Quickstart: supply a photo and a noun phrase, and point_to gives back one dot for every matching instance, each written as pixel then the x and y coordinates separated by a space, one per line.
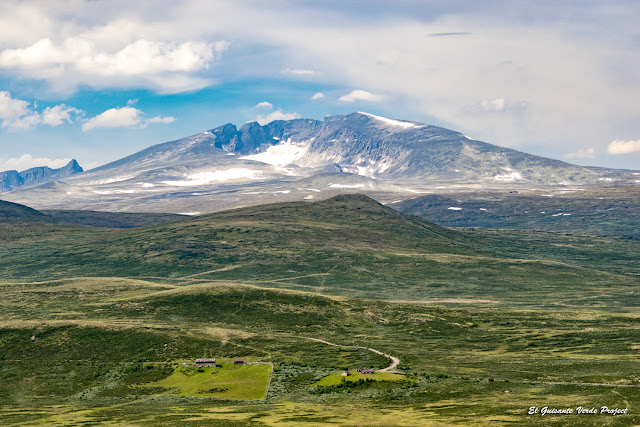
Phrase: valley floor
pixel 103 350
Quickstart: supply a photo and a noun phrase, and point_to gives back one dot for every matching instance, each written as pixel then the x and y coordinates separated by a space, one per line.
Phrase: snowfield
pixel 283 153
pixel 203 178
pixel 392 122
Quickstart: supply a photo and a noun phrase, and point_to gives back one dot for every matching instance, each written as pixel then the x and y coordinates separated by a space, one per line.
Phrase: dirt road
pixel 394 360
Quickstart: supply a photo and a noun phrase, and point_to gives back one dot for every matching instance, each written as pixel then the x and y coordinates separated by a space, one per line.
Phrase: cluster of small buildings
pixel 211 362
pixel 362 371
pixel 206 363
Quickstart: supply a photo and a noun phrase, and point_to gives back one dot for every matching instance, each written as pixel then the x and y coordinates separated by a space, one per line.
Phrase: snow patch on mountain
pixel 116 179
pixel 115 192
pixel 346 186
pixel 283 153
pixel 509 175
pixel 392 122
pixel 203 178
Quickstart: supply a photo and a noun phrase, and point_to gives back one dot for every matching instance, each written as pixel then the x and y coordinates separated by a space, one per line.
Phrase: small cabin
pixel 238 361
pixel 345 373
pixel 206 363
pixel 367 371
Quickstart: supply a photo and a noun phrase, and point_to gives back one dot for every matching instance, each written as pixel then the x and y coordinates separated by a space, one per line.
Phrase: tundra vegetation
pixel 97 324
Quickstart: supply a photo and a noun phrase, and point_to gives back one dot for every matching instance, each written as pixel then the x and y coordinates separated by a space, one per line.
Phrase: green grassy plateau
pixel 96 324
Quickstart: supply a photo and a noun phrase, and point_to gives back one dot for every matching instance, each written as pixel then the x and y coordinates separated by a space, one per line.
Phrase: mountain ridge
pixel 13 179
pixel 288 160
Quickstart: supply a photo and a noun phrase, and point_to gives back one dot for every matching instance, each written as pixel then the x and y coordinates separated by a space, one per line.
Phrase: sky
pixel 98 80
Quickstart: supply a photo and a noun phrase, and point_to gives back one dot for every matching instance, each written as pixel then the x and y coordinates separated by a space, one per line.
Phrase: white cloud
pixel 623 147
pixel 495 105
pixel 264 104
pixel 299 72
pixel 114 118
pixel 163 66
pixel 27 161
pixel 57 115
pixel 18 114
pixel 582 153
pixel 132 102
pixel 11 109
pixel 24 122
pixel 360 95
pixel 122 117
pixel 276 115
pixel 318 95
pixel 163 120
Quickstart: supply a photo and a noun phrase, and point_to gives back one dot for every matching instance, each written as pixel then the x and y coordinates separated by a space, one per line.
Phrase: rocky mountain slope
pixel 304 159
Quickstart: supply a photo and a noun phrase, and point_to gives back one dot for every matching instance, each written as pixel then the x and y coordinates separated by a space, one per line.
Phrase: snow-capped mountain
pixel 301 159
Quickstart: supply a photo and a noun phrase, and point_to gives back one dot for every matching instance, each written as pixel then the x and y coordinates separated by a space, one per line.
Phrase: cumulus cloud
pixel 164 66
pixel 11 108
pixel 18 114
pixel 276 115
pixel 496 105
pixel 299 72
pixel 121 118
pixel 360 95
pixel 114 118
pixel 623 147
pixel 163 120
pixel 27 161
pixel 317 95
pixel 264 104
pixel 582 153
pixel 59 114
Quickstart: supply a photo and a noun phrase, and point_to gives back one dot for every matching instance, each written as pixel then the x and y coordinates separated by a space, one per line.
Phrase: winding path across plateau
pixel 394 360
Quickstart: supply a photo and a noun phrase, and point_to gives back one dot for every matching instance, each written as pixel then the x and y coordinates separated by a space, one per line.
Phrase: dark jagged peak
pixel 72 167
pixel 10 180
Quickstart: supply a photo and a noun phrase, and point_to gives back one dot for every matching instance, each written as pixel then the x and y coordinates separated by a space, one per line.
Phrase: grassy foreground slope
pixel 347 245
pixel 485 323
pixel 101 351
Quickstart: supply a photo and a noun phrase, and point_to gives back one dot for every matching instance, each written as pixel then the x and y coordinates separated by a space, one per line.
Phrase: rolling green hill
pixel 110 219
pixel 347 245
pixel 12 213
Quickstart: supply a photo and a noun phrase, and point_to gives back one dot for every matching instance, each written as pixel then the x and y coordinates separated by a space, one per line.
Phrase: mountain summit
pixel 362 144
pixel 299 159
pixel 12 179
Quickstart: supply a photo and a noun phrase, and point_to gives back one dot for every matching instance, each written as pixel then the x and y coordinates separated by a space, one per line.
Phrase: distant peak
pixel 392 122
pixel 73 166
